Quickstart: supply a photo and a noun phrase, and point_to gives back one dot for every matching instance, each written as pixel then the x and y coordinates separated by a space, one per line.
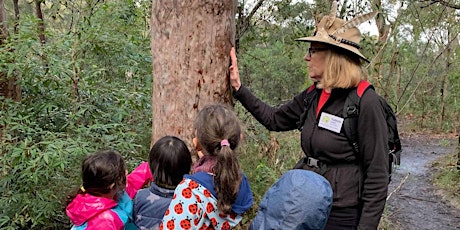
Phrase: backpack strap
pixel 307 102
pixel 351 113
pixel 350 123
pixel 362 87
pixel 311 88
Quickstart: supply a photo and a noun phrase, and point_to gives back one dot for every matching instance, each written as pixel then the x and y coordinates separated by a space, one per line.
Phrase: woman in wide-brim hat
pixel 334 59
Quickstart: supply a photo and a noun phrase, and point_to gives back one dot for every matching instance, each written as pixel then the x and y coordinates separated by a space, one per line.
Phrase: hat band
pixel 345 41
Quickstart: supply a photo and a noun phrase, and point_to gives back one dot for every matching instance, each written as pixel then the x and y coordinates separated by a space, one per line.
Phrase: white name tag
pixel 330 122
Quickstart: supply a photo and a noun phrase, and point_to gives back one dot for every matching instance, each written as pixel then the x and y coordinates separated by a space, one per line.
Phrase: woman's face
pixel 315 57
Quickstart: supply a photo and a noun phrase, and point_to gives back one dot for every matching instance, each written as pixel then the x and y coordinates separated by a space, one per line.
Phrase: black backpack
pixel 351 114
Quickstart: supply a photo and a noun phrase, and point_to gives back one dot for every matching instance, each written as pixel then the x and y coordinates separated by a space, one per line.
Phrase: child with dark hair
pixel 218 193
pixel 104 199
pixel 169 160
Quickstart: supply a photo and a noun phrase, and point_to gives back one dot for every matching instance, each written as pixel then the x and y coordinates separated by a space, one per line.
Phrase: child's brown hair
pixel 101 172
pixel 218 131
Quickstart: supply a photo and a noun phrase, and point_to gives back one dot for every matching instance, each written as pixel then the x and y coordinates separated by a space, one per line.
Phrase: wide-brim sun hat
pixel 340 33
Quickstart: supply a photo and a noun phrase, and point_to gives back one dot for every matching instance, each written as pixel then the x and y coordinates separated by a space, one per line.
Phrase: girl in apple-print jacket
pixel 104 199
pixel 218 193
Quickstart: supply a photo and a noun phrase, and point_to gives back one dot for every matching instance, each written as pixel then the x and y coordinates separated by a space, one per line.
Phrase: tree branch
pixel 399 186
pixel 442 2
pixel 244 20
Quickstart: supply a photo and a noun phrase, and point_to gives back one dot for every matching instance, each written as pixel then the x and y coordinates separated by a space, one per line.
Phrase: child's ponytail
pixel 218 131
pixel 227 177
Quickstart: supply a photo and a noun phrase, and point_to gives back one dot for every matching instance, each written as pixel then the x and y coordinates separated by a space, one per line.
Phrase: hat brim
pixel 335 44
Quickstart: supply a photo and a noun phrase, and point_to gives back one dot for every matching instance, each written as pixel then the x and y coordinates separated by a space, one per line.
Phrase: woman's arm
pixel 373 136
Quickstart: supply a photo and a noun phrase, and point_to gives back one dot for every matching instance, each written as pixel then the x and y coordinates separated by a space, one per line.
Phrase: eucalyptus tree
pixel 190 44
pixel 428 71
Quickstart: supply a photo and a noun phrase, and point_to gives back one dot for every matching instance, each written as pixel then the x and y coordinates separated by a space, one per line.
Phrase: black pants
pixel 344 218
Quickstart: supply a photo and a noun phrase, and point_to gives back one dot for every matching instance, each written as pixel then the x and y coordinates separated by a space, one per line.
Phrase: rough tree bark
pixel 190 44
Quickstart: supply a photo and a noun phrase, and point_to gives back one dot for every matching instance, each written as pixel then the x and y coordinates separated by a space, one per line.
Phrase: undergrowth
pixel 447 178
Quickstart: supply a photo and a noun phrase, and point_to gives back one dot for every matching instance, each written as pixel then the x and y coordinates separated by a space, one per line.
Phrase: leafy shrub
pixel 39 166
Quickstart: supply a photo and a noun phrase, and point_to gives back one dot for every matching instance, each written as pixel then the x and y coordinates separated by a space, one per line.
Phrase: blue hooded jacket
pixel 150 205
pixel 300 199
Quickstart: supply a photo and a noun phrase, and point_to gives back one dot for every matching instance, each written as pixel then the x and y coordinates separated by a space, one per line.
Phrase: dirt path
pixel 416 204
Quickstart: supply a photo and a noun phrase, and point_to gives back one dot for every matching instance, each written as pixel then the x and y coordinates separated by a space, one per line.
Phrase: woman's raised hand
pixel 234 75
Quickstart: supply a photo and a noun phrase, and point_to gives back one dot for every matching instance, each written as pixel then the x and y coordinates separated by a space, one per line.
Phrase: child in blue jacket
pixel 169 160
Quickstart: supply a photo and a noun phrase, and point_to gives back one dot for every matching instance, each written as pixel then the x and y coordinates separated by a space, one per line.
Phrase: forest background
pixel 76 77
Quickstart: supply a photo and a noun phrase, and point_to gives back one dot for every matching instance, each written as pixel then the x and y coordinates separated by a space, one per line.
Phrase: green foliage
pixel 421 38
pixel 37 165
pixel 447 177
pixel 85 90
pixel 274 71
pixel 40 166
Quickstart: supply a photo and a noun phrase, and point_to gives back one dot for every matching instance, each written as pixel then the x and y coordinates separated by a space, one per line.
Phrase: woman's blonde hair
pixel 342 70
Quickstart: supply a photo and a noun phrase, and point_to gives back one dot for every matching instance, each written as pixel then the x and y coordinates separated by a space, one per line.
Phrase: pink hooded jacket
pixel 91 212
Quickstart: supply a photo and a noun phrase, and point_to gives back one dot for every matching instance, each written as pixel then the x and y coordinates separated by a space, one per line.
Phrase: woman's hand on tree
pixel 234 75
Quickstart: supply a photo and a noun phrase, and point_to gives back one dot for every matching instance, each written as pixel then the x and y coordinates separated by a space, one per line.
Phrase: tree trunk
pixel 8 86
pixel 393 68
pixel 458 152
pixel 3 25
pixel 16 15
pixel 383 29
pixel 190 44
pixel 451 46
pixel 41 22
pixel 244 21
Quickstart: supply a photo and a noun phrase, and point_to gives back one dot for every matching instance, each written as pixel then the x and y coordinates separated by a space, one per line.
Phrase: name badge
pixel 330 122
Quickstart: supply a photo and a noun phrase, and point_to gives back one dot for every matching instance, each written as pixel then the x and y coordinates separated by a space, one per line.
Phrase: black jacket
pixel 334 148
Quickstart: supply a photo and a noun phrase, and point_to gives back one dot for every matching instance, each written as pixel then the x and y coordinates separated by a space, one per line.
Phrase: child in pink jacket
pixel 104 201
